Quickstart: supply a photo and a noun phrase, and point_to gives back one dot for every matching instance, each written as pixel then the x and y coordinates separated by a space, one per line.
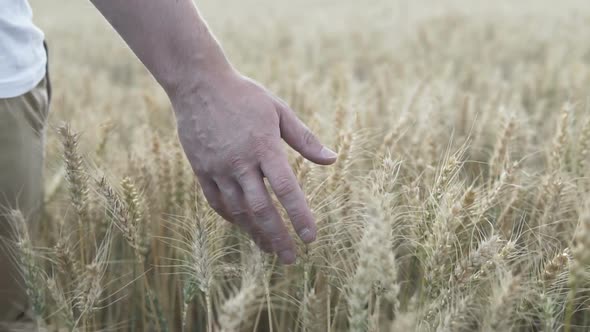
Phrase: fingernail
pixel 287 256
pixel 306 235
pixel 328 154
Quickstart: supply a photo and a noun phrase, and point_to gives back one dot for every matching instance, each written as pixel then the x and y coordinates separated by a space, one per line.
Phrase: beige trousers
pixel 22 131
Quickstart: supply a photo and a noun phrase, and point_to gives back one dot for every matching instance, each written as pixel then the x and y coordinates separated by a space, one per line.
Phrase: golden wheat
pixel 459 201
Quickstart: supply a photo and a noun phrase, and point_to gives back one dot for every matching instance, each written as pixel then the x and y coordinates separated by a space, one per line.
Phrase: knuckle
pixel 241 173
pixel 262 146
pixel 298 217
pixel 239 214
pixel 236 162
pixel 280 242
pixel 284 187
pixel 309 138
pixel 260 209
pixel 237 166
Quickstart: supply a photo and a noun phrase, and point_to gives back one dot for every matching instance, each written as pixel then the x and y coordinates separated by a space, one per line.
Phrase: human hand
pixel 230 128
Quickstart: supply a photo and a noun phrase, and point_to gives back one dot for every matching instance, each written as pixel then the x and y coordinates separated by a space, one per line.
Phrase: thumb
pixel 300 138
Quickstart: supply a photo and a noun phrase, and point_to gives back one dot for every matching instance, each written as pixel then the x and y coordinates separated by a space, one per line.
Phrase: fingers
pixel 266 216
pixel 235 206
pixel 213 196
pixel 300 138
pixel 286 188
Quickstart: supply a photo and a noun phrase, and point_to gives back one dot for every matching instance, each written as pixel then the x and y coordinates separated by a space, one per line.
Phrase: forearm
pixel 170 38
pixel 230 127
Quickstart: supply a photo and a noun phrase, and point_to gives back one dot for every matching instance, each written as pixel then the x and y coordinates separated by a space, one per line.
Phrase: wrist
pixel 192 94
pixel 198 75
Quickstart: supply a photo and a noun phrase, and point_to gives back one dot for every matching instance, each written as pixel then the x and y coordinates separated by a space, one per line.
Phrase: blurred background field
pixel 459 202
pixel 283 44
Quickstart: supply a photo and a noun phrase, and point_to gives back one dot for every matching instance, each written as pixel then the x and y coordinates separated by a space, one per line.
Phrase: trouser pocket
pixel 47 73
pixel 35 107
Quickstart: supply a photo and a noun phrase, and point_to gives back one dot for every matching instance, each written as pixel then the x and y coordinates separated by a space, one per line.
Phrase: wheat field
pixel 460 200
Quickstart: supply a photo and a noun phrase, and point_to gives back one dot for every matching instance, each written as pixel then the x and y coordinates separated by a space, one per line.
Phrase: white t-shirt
pixel 22 55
